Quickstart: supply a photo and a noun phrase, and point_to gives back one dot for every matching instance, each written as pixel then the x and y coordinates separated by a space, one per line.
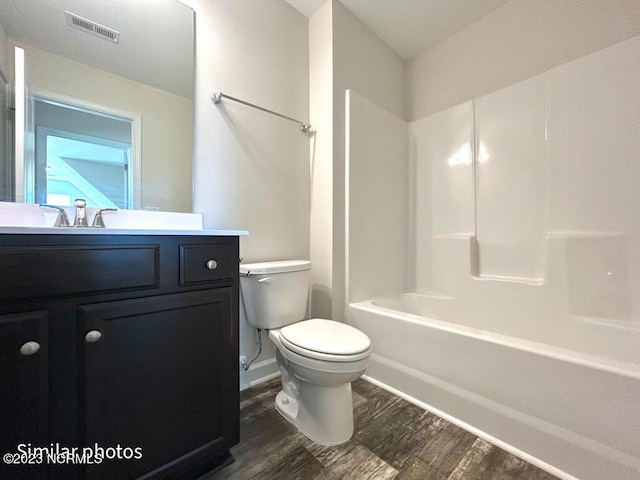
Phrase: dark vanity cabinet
pixel 121 346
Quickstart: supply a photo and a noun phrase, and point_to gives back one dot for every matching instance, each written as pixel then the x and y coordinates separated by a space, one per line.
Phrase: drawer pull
pixel 212 264
pixel 29 348
pixel 93 336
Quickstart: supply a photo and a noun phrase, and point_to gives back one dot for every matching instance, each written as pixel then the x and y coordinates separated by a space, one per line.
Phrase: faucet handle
pixel 98 222
pixel 61 219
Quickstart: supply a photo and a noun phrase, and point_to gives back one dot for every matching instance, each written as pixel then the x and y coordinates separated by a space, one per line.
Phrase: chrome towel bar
pixel 217 98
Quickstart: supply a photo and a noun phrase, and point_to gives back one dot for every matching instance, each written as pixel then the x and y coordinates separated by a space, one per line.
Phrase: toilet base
pixel 323 414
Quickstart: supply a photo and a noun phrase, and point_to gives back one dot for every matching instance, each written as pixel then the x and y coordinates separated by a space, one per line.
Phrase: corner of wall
pixel 321 69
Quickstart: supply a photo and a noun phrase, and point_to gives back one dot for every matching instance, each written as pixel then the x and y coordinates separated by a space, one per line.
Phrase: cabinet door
pixel 24 385
pixel 158 378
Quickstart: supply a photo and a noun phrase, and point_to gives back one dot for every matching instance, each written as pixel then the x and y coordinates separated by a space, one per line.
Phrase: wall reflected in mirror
pixel 110 120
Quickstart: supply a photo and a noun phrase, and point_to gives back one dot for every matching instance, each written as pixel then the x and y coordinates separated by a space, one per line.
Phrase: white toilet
pixel 318 358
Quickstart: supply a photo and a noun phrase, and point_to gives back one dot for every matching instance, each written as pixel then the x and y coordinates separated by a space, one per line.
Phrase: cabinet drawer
pixel 33 272
pixel 205 263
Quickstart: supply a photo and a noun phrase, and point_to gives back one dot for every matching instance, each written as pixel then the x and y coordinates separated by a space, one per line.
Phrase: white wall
pixel 443 197
pixel 378 194
pixel 321 153
pixel 364 63
pixel 514 42
pixel 511 131
pixel 167 134
pixel 251 169
pixel 4 53
pixel 6 166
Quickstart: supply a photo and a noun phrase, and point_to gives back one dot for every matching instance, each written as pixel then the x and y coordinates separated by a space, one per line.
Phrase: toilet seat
pixel 326 340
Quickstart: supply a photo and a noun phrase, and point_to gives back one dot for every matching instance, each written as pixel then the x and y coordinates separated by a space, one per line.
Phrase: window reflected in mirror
pixel 82 153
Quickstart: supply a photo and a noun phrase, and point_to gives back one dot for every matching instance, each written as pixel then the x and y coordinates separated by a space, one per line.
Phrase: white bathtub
pixel 574 413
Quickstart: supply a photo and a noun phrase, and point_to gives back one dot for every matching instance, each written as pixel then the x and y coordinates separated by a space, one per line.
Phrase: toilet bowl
pixel 316 385
pixel 318 358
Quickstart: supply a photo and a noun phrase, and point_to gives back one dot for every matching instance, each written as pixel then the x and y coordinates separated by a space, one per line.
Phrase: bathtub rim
pixel 551 351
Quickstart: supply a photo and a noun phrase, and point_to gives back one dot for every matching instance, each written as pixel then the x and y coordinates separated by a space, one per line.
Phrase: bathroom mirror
pixel 105 108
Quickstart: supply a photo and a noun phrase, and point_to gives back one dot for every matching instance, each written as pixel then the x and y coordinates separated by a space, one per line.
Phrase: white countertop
pixel 31 219
pixel 4 230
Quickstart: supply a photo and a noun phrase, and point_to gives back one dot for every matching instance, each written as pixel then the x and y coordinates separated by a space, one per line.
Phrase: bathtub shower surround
pixel 493 261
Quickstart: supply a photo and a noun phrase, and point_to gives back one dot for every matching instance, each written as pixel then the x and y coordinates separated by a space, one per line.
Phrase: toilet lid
pixel 325 336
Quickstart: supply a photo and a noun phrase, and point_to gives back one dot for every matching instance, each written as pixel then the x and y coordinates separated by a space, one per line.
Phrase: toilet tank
pixel 275 294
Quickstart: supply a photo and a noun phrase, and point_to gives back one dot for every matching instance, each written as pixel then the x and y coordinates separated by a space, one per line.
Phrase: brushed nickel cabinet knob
pixel 93 336
pixel 29 348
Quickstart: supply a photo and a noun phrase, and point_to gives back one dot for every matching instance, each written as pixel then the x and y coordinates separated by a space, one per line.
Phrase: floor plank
pixel 392 439
pixel 395 438
pixel 445 447
pixel 416 469
pixel 359 464
pixel 298 463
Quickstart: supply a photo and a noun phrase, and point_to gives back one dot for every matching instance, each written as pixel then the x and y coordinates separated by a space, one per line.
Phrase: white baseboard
pixel 259 373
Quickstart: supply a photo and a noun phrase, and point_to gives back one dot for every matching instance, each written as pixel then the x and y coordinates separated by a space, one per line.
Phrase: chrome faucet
pixel 80 219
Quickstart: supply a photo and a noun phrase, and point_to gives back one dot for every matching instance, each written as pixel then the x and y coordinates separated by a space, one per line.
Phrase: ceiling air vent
pixel 92 28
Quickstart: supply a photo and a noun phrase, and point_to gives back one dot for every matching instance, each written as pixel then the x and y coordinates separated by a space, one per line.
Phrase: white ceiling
pixel 156 38
pixel 306 7
pixel 410 26
pixel 152 40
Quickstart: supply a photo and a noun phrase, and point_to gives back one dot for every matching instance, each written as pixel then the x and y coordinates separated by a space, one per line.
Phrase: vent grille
pixel 92 28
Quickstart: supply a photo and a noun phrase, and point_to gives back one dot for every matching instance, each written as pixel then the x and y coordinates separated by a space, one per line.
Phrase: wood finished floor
pixel 393 439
